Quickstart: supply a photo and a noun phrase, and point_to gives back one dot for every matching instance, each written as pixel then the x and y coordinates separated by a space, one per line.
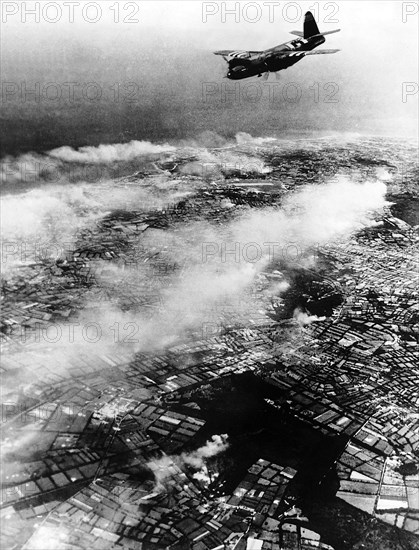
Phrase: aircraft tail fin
pixel 310 25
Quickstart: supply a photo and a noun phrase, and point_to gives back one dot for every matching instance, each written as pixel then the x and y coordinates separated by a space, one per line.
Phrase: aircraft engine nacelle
pixel 238 63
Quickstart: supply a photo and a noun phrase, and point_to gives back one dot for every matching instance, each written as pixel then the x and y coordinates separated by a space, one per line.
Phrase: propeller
pixel 266 75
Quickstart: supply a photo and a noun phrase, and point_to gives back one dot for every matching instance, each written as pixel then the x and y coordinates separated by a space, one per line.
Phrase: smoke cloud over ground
pixel 223 262
pixel 166 466
pixel 109 153
pixel 171 256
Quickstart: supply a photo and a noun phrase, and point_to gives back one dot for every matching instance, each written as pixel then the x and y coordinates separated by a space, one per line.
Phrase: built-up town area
pixel 256 427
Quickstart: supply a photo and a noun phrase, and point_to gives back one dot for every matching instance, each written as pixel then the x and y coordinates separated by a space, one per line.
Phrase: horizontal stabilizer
pixel 318 52
pixel 325 33
pixel 297 33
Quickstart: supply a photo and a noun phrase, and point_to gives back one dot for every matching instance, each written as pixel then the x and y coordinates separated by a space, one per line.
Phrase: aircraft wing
pixel 318 52
pixel 226 53
pixel 301 53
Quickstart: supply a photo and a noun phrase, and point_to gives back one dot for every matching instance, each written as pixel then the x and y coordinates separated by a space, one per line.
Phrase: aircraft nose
pixel 232 76
pixel 237 72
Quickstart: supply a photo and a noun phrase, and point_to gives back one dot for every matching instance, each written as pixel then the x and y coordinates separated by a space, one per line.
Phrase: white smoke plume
pixel 222 163
pixel 24 216
pixel 20 441
pixel 207 140
pixel 86 164
pixel 242 138
pixel 315 214
pixel 49 537
pixel 43 223
pixel 117 152
pixel 325 213
pixel 26 168
pixel 65 164
pixel 216 445
pixel 304 318
pixel 168 467
pixel 383 174
pixel 164 469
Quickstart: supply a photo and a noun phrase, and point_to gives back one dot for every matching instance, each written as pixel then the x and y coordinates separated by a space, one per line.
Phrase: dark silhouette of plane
pixel 243 64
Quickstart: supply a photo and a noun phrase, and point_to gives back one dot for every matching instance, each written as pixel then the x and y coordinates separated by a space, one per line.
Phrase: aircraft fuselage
pixel 244 65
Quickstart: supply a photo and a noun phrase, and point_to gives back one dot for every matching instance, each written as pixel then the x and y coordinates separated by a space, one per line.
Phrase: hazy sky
pixel 154 75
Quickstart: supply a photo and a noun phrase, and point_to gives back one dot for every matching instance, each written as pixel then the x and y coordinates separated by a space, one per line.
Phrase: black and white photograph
pixel 209 275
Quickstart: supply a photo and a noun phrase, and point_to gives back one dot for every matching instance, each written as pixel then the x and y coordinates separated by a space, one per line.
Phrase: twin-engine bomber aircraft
pixel 242 64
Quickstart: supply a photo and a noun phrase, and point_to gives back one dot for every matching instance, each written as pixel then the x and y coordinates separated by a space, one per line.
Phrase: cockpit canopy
pixel 297 43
